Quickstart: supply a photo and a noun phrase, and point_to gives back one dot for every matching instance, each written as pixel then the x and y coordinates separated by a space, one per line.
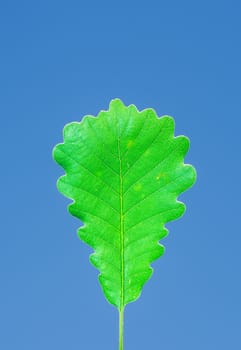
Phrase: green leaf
pixel 124 172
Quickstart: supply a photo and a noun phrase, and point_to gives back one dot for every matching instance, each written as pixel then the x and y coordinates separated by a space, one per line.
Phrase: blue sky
pixel 62 60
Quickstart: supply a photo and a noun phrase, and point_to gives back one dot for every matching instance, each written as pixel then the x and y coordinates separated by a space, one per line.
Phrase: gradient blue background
pixel 61 60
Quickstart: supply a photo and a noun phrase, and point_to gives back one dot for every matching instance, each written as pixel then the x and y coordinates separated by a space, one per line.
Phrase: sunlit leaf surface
pixel 124 172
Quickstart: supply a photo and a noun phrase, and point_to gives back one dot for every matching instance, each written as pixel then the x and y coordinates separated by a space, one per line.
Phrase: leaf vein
pixel 150 170
pixel 143 253
pixel 100 238
pixel 98 137
pixel 84 167
pixel 93 194
pixel 135 137
pixel 149 217
pixel 142 153
pixel 149 238
pixel 98 217
pixel 157 190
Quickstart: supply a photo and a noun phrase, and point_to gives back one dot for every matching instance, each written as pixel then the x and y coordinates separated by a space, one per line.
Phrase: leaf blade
pixel 124 172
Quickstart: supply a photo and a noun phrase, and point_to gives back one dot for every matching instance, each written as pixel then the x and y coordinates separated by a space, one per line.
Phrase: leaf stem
pixel 121 328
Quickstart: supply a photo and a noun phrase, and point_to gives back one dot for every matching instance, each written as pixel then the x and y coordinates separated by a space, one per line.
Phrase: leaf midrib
pixel 121 228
